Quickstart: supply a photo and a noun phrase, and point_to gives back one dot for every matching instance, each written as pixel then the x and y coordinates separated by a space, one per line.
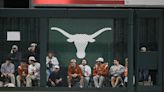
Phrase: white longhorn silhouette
pixel 81 40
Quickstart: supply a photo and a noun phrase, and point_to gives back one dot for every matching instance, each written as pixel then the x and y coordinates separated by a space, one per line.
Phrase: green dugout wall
pixel 66 51
pixel 127 36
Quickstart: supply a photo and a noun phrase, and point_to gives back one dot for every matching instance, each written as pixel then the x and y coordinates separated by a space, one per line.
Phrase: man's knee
pixel 18 77
pixel 81 77
pixel 87 78
pixel 28 78
pixel 1 84
pixel 113 78
pixel 11 75
pixel 102 77
pixel 95 78
pixel 68 78
pixel 118 78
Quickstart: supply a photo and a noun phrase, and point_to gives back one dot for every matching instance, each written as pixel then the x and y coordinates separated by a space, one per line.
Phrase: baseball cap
pixel 32 58
pixel 33 44
pixel 56 66
pixel 100 59
pixel 14 47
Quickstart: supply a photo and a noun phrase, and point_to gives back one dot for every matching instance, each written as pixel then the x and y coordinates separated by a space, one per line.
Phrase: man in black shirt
pixel 15 56
pixel 55 79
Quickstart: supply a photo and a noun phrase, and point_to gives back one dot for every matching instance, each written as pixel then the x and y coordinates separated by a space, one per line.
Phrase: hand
pixel 101 73
pixel 10 74
pixel 88 74
pixel 75 75
pixel 52 83
pixel 4 74
pixel 57 81
pixel 97 76
pixel 50 62
pixel 23 74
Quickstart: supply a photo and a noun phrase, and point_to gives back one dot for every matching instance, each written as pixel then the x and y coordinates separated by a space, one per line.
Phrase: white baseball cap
pixel 32 58
pixel 56 66
pixel 100 59
pixel 14 46
pixel 33 44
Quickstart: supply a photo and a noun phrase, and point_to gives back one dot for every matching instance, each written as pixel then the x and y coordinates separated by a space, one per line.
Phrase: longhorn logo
pixel 81 40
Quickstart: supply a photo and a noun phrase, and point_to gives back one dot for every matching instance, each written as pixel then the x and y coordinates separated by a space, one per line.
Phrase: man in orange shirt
pixel 74 73
pixel 100 71
pixel 22 73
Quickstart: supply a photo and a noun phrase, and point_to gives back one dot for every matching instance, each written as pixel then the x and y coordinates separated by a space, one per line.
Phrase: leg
pixel 60 84
pixel 18 81
pixel 1 84
pixel 101 80
pixel 48 73
pixel 81 82
pixel 95 79
pixel 12 77
pixel 126 81
pixel 113 79
pixel 49 84
pixel 69 81
pixel 86 81
pixel 29 79
pixel 117 80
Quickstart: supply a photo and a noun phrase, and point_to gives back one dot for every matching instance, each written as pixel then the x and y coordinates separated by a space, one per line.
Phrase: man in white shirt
pixel 86 70
pixel 33 71
pixel 51 61
pixel 116 72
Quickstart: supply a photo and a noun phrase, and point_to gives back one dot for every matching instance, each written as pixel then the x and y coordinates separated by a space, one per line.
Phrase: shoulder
pixel 121 66
pixel 95 66
pixel 80 65
pixel 51 74
pixel 11 64
pixel 29 66
pixel 112 66
pixel 77 66
pixel 88 66
pixel 19 67
pixel 3 64
pixel 47 57
pixel 37 63
pixel 55 58
pixel 69 67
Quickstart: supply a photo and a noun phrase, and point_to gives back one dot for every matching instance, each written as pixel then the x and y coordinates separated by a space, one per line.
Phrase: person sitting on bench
pixel 86 70
pixel 116 72
pixel 22 73
pixel 8 70
pixel 55 78
pixel 74 73
pixel 33 71
pixel 99 72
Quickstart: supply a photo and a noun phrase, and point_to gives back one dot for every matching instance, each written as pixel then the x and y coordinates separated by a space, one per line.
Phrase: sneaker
pixel 81 86
pixel 69 86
